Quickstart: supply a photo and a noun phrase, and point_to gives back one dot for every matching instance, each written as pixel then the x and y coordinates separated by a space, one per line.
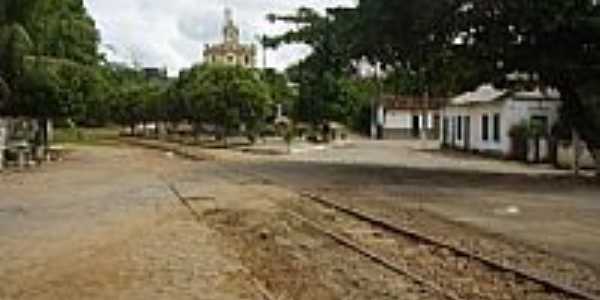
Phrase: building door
pixel 446 131
pixel 541 130
pixel 436 126
pixel 467 133
pixel 416 126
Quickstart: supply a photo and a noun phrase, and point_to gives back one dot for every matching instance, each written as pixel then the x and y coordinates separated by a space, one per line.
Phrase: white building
pixel 481 121
pixel 3 140
pixel 400 117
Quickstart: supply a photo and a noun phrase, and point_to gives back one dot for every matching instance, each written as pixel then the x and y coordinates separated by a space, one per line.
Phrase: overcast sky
pixel 172 33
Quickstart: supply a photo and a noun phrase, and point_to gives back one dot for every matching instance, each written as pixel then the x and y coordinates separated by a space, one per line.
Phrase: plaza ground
pixel 103 223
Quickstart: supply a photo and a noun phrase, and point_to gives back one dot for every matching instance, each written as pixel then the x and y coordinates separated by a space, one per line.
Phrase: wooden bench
pixel 55 152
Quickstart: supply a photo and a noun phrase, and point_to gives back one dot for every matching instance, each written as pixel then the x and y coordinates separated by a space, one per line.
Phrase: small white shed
pixel 402 117
pixel 481 120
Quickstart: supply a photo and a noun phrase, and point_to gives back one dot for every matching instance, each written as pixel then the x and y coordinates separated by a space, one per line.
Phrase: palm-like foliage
pixel 15 45
pixel 42 45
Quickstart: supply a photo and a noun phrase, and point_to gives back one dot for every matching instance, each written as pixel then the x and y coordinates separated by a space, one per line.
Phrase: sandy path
pixel 102 225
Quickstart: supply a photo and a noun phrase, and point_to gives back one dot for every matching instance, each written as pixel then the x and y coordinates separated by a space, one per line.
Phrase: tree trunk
pixel 144 128
pixel 42 147
pixel 196 132
pixel 596 155
pixel 132 129
pixel 576 152
pixel 582 120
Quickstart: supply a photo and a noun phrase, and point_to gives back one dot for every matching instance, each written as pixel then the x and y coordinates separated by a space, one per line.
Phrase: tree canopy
pixel 48 56
pixel 450 46
pixel 326 91
pixel 226 96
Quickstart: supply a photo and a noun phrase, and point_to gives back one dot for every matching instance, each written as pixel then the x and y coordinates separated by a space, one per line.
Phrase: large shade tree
pixel 555 42
pixel 326 91
pixel 15 42
pixel 229 97
pixel 463 43
pixel 43 41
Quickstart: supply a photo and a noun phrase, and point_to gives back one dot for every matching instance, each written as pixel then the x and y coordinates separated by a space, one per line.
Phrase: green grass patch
pixel 85 136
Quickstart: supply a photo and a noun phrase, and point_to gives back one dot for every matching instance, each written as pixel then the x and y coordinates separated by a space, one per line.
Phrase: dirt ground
pixel 538 205
pixel 104 224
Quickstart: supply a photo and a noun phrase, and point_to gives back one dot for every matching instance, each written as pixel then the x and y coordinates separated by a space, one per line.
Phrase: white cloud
pixel 173 33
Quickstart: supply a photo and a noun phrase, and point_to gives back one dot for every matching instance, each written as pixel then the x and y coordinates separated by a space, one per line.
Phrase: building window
pixel 485 127
pixel 497 126
pixel 247 60
pixel 230 59
pixel 454 128
pixel 459 129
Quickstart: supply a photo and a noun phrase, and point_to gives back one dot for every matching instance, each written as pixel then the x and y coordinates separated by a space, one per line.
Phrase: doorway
pixel 467 133
pixel 416 126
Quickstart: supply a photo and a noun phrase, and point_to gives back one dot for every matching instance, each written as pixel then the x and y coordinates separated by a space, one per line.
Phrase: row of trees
pixel 228 98
pixel 48 59
pixel 450 46
pixel 50 68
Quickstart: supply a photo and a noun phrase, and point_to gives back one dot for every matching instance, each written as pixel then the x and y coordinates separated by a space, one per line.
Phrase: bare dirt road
pixel 104 223
pixel 534 204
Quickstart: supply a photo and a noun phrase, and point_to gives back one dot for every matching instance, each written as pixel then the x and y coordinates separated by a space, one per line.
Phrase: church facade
pixel 231 51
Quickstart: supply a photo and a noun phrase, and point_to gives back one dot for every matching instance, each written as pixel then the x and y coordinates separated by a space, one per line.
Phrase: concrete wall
pixel 564 157
pixel 471 136
pixel 512 112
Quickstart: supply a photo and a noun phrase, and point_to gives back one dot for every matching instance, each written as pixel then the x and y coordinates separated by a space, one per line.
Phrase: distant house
pixel 481 120
pixel 401 117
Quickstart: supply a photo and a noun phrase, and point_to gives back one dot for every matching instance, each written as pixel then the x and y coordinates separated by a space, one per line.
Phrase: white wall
pixel 475 113
pixel 398 119
pixel 3 140
pixel 565 157
pixel 403 119
pixel 512 112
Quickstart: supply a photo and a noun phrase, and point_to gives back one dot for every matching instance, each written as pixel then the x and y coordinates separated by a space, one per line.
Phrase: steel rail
pixel 546 282
pixel 374 257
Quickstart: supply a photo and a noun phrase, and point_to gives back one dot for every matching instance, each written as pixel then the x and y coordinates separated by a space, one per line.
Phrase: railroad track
pixel 345 242
pixel 541 285
pixel 525 281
